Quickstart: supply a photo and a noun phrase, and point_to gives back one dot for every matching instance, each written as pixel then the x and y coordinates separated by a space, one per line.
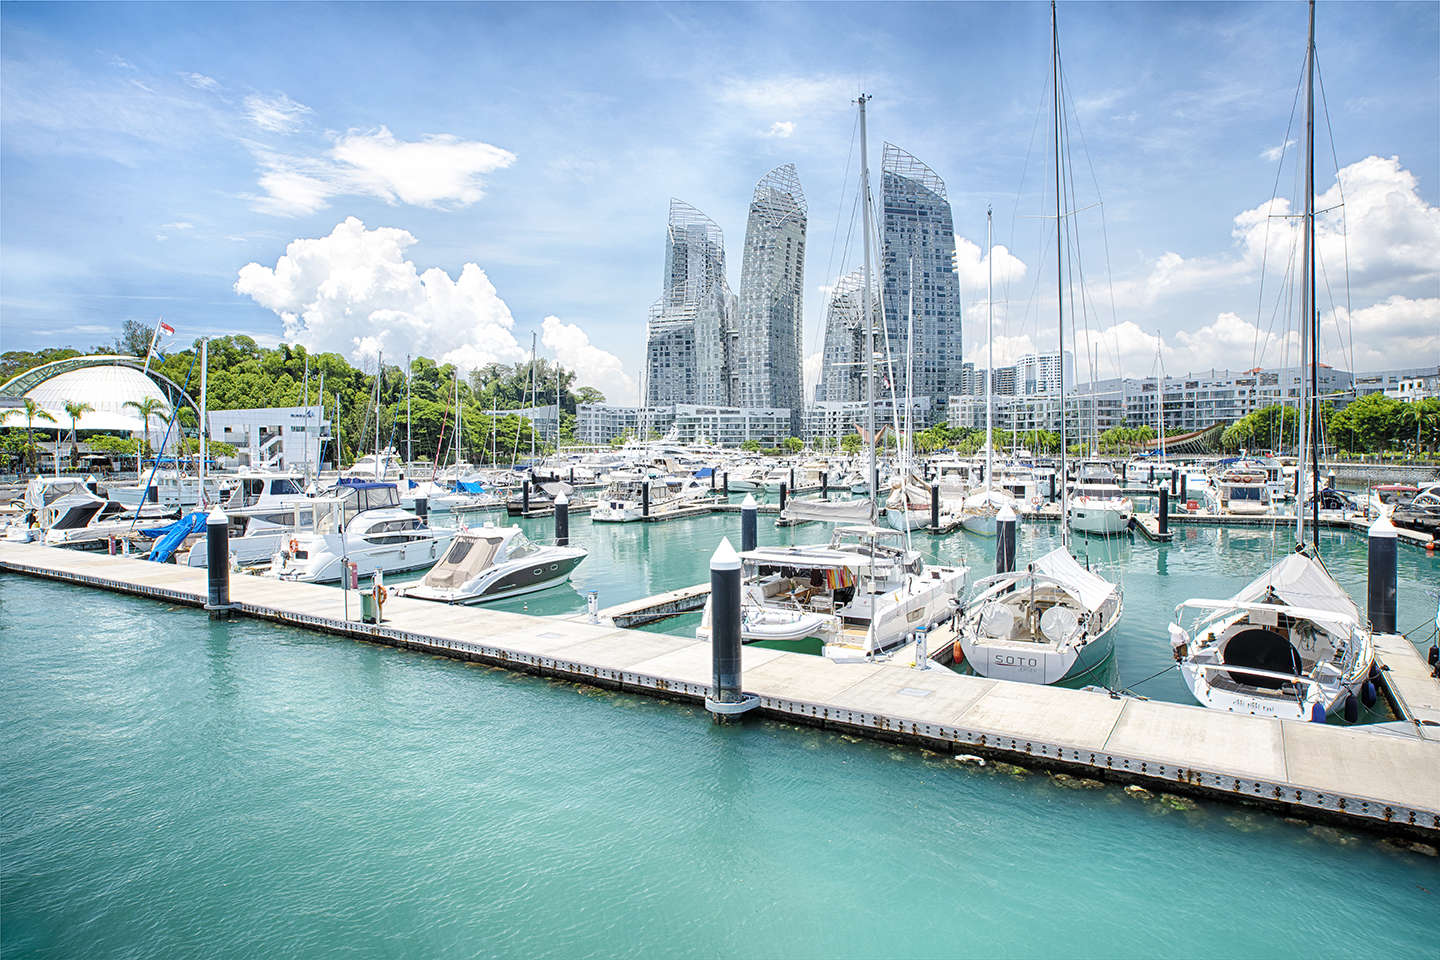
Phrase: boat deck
pixel 1345 774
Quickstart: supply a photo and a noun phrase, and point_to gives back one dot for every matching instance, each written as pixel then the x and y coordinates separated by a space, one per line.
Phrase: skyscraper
pixel 691 326
pixel 919 236
pixel 772 281
pixel 842 375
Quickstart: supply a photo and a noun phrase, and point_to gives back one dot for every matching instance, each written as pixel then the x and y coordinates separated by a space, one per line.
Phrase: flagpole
pixel 154 338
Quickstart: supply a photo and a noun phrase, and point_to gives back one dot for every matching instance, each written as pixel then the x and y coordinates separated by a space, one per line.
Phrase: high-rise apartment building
pixel 690 328
pixel 772 280
pixel 918 258
pixel 842 376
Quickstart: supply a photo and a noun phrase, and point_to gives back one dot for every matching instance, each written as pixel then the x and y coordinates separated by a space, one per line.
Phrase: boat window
pixel 282 488
pixel 520 547
pixel 457 551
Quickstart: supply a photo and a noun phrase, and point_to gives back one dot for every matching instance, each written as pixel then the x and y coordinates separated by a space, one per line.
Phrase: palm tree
pixel 148 408
pixel 33 411
pixel 76 410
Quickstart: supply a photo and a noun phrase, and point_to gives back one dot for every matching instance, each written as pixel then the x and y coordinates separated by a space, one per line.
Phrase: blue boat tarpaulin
pixel 470 486
pixel 172 536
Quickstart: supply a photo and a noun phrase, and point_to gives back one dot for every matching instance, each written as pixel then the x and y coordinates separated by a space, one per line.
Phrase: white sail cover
pixel 831 511
pixel 43 491
pixel 1301 581
pixel 1091 590
pixel 989 498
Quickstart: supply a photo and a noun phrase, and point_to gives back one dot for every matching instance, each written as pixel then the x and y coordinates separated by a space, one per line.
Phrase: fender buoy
pixel 958 653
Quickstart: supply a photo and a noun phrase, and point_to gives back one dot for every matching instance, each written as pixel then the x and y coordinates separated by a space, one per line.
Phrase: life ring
pixel 380 594
pixel 294 546
pixel 1035 500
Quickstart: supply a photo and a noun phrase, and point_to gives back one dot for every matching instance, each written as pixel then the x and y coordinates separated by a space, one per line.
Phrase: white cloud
pixel 439 172
pixel 1007 350
pixel 594 367
pixel 974 267
pixel 1272 154
pixel 353 292
pixel 200 81
pixel 786 94
pixel 1396 327
pixel 780 128
pixel 811 368
pixel 276 114
pixel 1230 343
pixel 177 226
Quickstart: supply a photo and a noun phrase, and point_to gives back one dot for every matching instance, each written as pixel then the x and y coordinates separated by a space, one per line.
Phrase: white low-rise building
pixel 273 438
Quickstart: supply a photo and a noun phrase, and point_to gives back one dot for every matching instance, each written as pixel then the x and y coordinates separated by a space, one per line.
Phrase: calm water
pixel 176 788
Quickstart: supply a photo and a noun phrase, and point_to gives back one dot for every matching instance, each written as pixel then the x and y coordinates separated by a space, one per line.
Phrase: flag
pixel 166 329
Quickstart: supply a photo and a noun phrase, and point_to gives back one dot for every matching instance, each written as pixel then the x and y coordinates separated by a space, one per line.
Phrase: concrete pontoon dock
pixel 1388 783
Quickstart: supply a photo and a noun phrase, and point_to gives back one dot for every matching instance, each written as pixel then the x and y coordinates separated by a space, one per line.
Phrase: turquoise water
pixel 177 788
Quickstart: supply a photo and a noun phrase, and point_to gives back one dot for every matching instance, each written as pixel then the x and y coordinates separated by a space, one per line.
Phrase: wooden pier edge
pixel 1349 809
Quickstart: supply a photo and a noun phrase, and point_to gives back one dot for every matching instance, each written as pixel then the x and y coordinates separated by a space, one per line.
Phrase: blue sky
pixel 448 179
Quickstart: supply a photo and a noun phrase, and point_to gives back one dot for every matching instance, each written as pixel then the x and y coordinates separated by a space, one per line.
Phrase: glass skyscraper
pixel 842 376
pixel 919 242
pixel 691 326
pixel 772 280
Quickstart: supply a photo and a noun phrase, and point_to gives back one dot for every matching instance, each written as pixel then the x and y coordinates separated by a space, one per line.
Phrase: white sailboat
pixel 1292 644
pixel 866 591
pixel 1051 620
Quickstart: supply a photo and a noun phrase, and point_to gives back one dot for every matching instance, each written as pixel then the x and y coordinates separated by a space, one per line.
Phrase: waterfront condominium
pixel 918 256
pixel 691 327
pixel 772 278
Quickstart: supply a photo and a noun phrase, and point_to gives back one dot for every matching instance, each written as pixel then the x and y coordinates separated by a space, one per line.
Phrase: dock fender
pixel 1317 713
pixel 1367 694
pixel 1352 709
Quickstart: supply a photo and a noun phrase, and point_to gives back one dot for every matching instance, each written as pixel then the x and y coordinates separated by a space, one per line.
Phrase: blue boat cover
pixel 470 486
pixel 172 536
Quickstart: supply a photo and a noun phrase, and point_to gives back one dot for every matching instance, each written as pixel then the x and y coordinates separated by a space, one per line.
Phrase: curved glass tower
pixel 690 327
pixel 842 375
pixel 919 231
pixel 772 282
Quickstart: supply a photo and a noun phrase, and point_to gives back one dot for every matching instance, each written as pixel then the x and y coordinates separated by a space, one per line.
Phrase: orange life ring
pixel 294 545
pixel 380 594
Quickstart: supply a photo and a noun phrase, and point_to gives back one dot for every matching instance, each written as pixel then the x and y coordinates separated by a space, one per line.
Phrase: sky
pixel 460 181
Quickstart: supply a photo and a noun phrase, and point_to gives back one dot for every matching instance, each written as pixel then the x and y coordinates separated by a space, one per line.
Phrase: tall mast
pixel 1160 396
pixel 873 476
pixel 534 400
pixel 409 449
pixel 306 402
pixel 1309 353
pixel 989 339
pixel 379 375
pixel 1059 276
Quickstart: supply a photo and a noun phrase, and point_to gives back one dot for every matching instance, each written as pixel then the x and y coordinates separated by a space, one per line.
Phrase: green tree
pixel 851 443
pixel 75 409
pixel 793 445
pixel 31 411
pixel 147 408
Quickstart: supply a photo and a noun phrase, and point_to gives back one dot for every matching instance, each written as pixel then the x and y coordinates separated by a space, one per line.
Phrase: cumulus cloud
pixel 275 114
pixel 354 293
pixel 594 367
pixel 1230 343
pixel 974 266
pixel 439 172
pixel 1007 350
pixel 780 128
pixel 1396 327
pixel 1272 154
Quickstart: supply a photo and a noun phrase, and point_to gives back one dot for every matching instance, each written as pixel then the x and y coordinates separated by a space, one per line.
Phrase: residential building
pixel 599 423
pixel 690 328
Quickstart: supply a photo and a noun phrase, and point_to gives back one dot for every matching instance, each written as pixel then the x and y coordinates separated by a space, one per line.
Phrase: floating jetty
pixel 1384 780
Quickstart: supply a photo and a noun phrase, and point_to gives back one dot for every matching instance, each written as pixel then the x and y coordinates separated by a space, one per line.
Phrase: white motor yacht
pixel 1097 504
pixel 491 563
pixel 362 523
pixel 1239 487
pixel 625 498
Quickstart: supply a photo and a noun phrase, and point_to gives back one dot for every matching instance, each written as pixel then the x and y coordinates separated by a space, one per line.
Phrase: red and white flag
pixel 166 329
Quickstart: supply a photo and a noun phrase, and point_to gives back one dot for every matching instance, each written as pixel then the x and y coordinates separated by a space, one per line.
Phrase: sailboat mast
pixel 1312 316
pixel 1059 276
pixel 409 449
pixel 990 340
pixel 874 479
pixel 379 376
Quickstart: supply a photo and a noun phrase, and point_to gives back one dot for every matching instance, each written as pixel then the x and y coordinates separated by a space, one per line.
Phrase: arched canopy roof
pixel 106 383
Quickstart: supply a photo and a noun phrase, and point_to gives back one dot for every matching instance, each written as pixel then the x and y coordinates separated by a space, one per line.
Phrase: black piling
pixel 934 506
pixel 562 521
pixel 92 484
pixel 725 702
pixel 784 490
pixel 422 508
pixel 1183 492
pixel 1382 568
pixel 749 514
pixel 725 485
pixel 1005 540
pixel 524 497
pixel 217 559
pixel 825 484
pixel 645 499
pixel 1162 515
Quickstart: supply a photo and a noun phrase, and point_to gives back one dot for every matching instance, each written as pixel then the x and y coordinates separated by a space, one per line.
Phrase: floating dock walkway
pixel 1345 774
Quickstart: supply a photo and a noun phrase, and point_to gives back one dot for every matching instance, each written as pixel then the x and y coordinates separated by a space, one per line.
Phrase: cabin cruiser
pixel 1291 644
pixel 491 563
pixel 1148 469
pixel 1052 621
pixel 859 595
pixel 358 522
pixel 1239 487
pixel 540 498
pixel 978 512
pixel 1422 512
pixel 65 512
pixel 632 496
pixel 260 512
pixel 170 489
pixel 1097 504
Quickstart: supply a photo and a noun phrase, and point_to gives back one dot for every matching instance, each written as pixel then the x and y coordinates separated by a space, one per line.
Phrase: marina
pixel 1336 773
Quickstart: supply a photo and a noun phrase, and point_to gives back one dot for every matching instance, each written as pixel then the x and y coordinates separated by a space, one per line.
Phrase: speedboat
pixel 1291 644
pixel 361 523
pixel 858 596
pixel 1422 512
pixel 1052 621
pixel 491 563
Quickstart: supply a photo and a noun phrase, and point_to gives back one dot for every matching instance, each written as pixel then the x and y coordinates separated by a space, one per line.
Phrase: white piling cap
pixel 91 479
pixel 725 557
pixel 216 516
pixel 749 502
pixel 1006 515
pixel 562 499
pixel 1382 528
